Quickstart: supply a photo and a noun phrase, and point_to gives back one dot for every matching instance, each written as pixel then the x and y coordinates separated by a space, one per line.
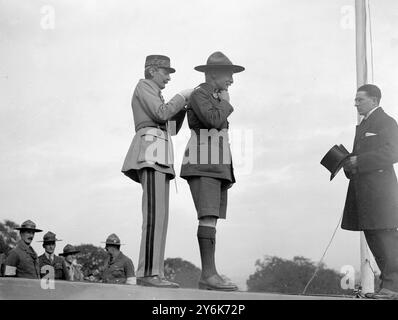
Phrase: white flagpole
pixel 367 276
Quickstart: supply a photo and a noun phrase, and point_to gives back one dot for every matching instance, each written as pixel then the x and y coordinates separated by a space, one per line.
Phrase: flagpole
pixel 367 275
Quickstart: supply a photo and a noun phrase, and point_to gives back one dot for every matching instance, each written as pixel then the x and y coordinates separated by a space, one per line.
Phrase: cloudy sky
pixel 67 72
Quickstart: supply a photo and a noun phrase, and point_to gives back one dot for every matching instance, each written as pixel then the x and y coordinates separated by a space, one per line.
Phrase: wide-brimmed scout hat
pixel 113 239
pixel 28 225
pixel 69 249
pixel 49 237
pixel 219 60
pixel 159 61
pixel 334 159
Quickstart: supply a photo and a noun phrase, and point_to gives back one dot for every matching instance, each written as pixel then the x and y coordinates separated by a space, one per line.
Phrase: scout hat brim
pixel 63 254
pixel 32 229
pixel 206 67
pixel 113 244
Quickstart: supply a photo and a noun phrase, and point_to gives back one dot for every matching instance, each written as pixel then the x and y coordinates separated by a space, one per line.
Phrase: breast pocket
pixel 118 272
pixel 369 143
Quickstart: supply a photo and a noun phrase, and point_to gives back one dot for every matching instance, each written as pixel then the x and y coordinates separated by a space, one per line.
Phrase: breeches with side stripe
pixel 155 216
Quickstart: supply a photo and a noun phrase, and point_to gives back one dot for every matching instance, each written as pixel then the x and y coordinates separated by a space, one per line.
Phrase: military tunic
pixel 118 270
pixel 25 260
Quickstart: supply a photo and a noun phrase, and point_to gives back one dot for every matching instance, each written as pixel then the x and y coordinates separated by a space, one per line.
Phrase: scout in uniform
pixel 48 258
pixel 119 268
pixel 73 268
pixel 149 161
pixel 22 261
pixel 372 198
pixel 207 163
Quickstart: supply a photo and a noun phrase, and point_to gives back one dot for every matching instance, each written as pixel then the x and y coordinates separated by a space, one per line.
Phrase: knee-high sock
pixel 207 245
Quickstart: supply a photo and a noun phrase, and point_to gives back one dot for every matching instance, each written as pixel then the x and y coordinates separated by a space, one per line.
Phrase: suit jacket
pixel 208 150
pixel 59 265
pixel 155 121
pixel 372 197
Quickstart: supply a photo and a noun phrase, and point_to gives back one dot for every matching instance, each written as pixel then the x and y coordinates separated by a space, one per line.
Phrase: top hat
pixel 28 225
pixel 49 237
pixel 69 249
pixel 334 159
pixel 159 61
pixel 218 60
pixel 113 239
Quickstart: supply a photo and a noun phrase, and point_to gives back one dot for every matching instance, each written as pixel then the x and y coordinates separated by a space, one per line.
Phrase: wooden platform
pixel 27 289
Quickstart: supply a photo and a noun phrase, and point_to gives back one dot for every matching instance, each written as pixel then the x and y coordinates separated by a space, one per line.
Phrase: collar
pixel 207 87
pixel 119 256
pixel 49 256
pixel 370 112
pixel 152 84
pixel 22 245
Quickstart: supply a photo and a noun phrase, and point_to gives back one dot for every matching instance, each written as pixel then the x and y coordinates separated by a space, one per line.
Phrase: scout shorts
pixel 209 196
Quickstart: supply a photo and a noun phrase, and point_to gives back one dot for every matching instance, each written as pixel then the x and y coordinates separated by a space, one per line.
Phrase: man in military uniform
pixel 207 163
pixel 119 268
pixel 48 258
pixel 74 269
pixel 22 261
pixel 149 161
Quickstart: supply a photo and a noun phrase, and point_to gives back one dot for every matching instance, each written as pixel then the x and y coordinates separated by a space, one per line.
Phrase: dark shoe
pixel 155 281
pixel 384 294
pixel 215 282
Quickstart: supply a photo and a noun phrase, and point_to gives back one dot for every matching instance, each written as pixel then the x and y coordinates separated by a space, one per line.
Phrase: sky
pixel 67 73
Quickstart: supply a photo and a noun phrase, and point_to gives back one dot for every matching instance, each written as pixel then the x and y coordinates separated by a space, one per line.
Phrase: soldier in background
pixel 3 253
pixel 74 269
pixel 22 261
pixel 119 268
pixel 48 258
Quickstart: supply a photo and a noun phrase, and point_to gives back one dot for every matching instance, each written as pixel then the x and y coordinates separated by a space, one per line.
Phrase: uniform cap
pixel 159 61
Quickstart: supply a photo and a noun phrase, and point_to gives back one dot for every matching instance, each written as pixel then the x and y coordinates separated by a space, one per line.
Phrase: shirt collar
pixel 207 87
pixel 119 256
pixel 49 256
pixel 22 245
pixel 370 112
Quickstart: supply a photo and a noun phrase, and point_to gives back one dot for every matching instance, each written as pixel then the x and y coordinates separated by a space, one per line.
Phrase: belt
pixel 151 125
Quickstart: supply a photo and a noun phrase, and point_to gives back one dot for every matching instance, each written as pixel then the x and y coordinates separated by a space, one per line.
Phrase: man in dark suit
pixel 207 164
pixel 48 260
pixel 372 198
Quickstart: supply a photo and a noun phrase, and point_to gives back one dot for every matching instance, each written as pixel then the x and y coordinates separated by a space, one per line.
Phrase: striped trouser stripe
pixel 155 186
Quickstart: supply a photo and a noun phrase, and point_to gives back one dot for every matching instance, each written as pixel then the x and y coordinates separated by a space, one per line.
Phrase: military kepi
pixel 159 61
pixel 334 159
pixel 28 225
